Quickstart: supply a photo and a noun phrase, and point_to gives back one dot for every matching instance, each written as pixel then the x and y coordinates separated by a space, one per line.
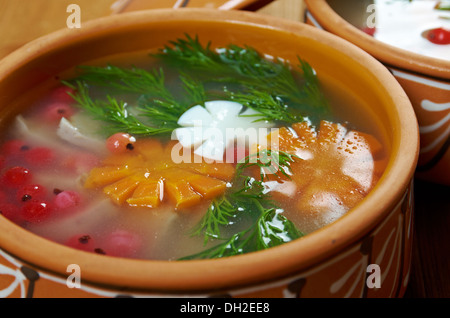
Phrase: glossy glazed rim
pixel 396 57
pixel 245 270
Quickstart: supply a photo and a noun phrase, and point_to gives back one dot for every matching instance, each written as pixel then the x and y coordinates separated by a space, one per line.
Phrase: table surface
pixel 24 20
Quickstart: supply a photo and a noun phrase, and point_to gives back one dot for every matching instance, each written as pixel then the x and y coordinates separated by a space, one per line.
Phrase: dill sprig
pixel 268 86
pixel 190 53
pixel 270 163
pixel 233 63
pixel 134 80
pixel 248 198
pixel 270 82
pixel 117 113
pixel 270 229
pixel 269 106
pixel 155 102
pixel 312 95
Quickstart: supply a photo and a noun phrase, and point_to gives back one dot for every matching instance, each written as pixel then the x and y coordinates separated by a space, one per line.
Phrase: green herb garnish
pixel 265 82
pixel 248 198
pixel 243 75
pixel 118 116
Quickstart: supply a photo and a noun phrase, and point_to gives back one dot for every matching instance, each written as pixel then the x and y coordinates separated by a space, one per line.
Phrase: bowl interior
pixel 43 61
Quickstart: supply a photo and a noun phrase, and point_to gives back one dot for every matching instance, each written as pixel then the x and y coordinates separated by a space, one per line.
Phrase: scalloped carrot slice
pixel 121 190
pixel 375 146
pixel 207 187
pixel 331 133
pixel 337 166
pixel 222 171
pixel 144 175
pixel 182 194
pixel 305 133
pixel 102 176
pixel 286 140
pixel 147 194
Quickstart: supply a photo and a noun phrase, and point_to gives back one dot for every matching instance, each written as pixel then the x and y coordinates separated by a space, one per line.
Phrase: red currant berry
pixel 55 111
pixel 82 242
pixel 438 36
pixel 36 211
pixel 30 192
pixel 40 156
pixel 67 199
pixel 10 211
pixel 120 142
pixel 122 243
pixel 2 161
pixel 14 147
pixel 61 94
pixel 3 197
pixel 17 176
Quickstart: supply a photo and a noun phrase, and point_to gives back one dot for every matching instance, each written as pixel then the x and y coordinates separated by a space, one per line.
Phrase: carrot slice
pixel 146 174
pixel 182 194
pixel 121 190
pixel 102 176
pixel 207 187
pixel 222 171
pixel 305 133
pixel 337 166
pixel 331 133
pixel 147 194
pixel 375 146
pixel 286 140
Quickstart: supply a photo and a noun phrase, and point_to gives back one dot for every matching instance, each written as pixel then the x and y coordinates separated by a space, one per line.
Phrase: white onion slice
pixel 71 134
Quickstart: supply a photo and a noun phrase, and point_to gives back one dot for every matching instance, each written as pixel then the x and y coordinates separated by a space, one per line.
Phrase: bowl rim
pixel 328 19
pixel 242 270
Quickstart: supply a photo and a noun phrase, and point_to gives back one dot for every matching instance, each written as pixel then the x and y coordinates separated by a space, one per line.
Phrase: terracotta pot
pixel 330 262
pixel 426 81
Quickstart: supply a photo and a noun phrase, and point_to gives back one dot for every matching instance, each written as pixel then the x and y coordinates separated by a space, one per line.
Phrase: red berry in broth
pixel 17 176
pixel 36 211
pixel 122 243
pixel 3 196
pixel 40 156
pixel 82 242
pixel 2 161
pixel 120 142
pixel 57 110
pixel 438 36
pixel 14 147
pixel 30 192
pixel 67 199
pixel 10 211
pixel 61 94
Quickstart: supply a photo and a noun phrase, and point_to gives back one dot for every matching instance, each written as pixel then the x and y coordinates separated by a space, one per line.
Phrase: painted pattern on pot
pixel 430 98
pixel 354 271
pixel 431 101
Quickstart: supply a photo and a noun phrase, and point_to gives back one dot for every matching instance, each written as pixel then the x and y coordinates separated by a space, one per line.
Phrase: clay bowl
pixel 426 81
pixel 331 262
